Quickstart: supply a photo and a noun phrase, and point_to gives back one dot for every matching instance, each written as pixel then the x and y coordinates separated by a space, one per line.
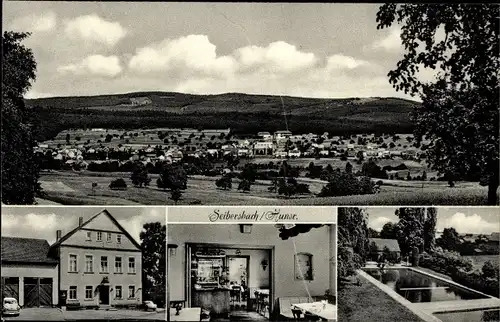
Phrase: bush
pixel 461 270
pixel 244 185
pixel 489 270
pixel 224 183
pixel 371 169
pixel 346 184
pixel 118 184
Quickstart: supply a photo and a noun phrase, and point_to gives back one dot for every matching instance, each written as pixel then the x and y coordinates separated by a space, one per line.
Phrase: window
pixel 118 265
pixel 131 265
pixel 118 239
pixel 89 264
pixel 303 267
pixel 89 293
pixel 131 291
pixel 72 293
pixel 108 238
pixel 99 236
pixel 73 263
pixel 104 264
pixel 118 291
pixel 89 235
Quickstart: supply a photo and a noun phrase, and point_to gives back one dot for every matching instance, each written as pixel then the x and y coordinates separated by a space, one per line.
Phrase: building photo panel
pixel 74 263
pixel 250 271
pixel 437 264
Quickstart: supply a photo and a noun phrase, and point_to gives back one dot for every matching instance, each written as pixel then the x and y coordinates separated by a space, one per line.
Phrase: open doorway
pixel 228 281
pixel 237 274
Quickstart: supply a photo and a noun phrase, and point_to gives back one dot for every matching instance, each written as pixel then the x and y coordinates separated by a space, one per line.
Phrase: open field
pixel 202 190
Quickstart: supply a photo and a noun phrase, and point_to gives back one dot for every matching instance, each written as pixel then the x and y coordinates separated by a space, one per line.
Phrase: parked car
pixel 10 306
pixel 150 305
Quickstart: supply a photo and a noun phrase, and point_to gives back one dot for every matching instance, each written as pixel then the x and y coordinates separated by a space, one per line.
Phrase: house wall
pixel 40 271
pixel 79 239
pixel 316 242
pixel 80 279
pixel 78 244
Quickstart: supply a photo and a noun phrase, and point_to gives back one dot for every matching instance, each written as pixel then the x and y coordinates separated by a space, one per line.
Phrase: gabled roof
pixel 26 250
pixel 392 244
pixel 105 212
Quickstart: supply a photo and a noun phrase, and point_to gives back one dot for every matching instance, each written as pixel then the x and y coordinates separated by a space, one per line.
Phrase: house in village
pixel 282 135
pixel 266 136
pixel 377 246
pixel 97 264
pixel 29 273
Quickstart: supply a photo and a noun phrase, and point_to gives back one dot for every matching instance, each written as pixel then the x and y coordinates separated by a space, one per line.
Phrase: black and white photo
pixel 168 103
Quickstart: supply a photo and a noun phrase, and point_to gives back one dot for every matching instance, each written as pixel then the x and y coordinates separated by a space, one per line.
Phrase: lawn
pixel 75 188
pixel 369 303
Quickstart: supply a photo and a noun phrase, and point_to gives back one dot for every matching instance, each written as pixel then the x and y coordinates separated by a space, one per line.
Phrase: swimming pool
pixel 491 315
pixel 420 288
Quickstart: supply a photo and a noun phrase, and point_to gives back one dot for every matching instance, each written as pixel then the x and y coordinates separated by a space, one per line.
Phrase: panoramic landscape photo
pixel 249 103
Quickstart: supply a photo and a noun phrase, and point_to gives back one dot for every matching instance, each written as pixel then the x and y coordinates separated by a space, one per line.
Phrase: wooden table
pixel 186 314
pixel 328 313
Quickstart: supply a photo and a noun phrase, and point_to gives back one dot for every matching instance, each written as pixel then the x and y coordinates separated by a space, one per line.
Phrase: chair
pixel 251 298
pixel 234 294
pixel 264 303
pixel 237 292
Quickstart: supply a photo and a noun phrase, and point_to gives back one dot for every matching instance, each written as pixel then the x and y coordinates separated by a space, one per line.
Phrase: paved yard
pixel 53 314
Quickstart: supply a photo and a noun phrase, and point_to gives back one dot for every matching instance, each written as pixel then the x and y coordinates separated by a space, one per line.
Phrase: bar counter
pixel 216 300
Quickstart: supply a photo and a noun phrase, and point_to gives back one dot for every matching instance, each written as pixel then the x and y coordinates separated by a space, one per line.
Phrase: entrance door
pixel 104 295
pixel 31 292
pixel 45 292
pixel 37 292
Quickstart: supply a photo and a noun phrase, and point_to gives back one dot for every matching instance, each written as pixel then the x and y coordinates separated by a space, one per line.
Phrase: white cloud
pixel 389 43
pixel 96 64
pixel 33 225
pixel 134 225
pixel 35 94
pixel 472 224
pixel 379 222
pixel 277 57
pixel 42 22
pixel 193 53
pixel 340 61
pixel 94 28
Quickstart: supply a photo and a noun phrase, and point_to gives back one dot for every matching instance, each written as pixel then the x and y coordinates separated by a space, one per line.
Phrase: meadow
pixel 75 188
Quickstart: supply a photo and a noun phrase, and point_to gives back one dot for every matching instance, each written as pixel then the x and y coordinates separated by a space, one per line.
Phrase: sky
pixel 465 220
pixel 298 49
pixel 43 222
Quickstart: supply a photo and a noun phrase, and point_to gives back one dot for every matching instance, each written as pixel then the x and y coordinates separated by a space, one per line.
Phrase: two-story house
pixel 99 263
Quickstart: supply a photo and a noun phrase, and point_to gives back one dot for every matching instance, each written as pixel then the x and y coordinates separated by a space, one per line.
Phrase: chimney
pixel 80 221
pixel 58 235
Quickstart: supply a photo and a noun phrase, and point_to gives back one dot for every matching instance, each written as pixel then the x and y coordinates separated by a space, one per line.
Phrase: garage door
pixel 10 287
pixel 37 292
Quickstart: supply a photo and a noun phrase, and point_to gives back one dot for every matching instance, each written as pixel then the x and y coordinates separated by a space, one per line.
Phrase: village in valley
pixel 81 164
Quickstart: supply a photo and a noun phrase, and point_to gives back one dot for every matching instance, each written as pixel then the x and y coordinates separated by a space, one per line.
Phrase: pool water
pixel 470 316
pixel 421 288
